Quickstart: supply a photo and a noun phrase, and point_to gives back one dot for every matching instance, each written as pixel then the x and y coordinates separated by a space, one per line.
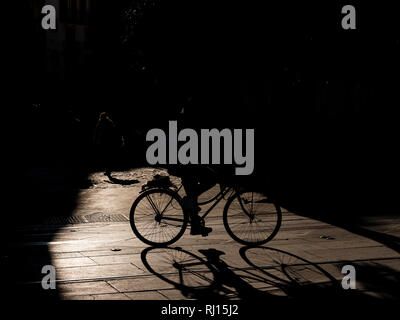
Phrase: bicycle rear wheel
pixel 157 217
pixel 251 218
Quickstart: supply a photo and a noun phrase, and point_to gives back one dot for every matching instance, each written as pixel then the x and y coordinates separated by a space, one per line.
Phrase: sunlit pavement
pixel 104 260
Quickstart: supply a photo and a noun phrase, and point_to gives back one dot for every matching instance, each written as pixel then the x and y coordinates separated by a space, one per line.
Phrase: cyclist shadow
pixel 271 275
pixel 199 278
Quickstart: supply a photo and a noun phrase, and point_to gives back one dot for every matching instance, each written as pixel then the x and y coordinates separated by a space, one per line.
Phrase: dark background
pixel 323 100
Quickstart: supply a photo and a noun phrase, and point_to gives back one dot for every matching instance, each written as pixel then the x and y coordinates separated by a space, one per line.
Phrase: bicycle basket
pixel 159 181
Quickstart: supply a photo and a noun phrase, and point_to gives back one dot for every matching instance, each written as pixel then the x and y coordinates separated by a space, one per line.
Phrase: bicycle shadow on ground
pixel 272 275
pixel 301 279
pixel 199 278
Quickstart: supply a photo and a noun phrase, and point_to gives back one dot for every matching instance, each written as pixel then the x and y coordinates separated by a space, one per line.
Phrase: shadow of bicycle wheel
pixel 289 273
pixel 187 272
pixel 202 279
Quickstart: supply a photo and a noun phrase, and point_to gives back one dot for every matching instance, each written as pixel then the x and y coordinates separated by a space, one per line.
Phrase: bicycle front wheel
pixel 251 218
pixel 157 217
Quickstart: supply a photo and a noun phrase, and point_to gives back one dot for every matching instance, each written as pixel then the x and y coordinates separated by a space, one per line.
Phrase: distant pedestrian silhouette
pixel 108 142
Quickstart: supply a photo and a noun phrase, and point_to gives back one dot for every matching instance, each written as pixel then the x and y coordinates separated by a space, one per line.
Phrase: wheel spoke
pixel 250 219
pixel 157 217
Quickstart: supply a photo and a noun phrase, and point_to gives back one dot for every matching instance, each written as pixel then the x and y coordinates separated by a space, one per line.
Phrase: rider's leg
pixel 190 200
pixel 190 203
pixel 206 179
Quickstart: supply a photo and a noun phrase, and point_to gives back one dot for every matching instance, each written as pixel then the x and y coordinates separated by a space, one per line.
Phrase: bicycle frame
pixel 218 199
pixel 220 196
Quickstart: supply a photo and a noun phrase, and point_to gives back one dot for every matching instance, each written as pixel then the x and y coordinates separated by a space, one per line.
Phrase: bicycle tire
pixel 156 235
pixel 271 216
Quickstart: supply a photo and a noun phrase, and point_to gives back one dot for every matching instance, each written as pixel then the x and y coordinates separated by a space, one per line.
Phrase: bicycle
pixel 158 218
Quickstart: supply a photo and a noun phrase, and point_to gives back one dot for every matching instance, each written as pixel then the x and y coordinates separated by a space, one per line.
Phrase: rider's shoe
pixel 198 227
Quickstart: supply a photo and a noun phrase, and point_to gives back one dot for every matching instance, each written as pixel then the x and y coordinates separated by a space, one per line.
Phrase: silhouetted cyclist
pixel 196 179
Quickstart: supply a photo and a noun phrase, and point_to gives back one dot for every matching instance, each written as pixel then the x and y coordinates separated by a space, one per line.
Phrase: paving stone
pixel 96 272
pixel 174 294
pixel 116 259
pixel 139 283
pixel 73 262
pixel 66 255
pixel 145 295
pixel 84 288
pixel 111 296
